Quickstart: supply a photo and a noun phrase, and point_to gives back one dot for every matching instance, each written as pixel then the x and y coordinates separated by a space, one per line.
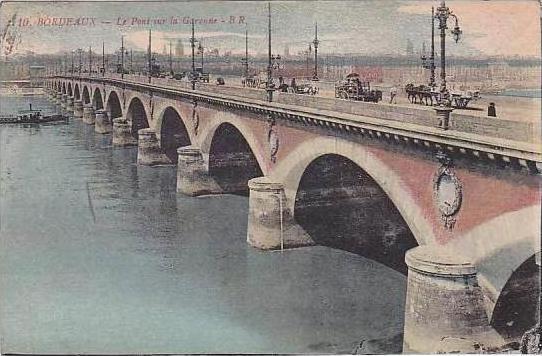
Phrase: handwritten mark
pixel 90 203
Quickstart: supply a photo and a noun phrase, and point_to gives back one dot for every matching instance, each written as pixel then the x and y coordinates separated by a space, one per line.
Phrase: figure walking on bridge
pixel 491 110
pixel 393 95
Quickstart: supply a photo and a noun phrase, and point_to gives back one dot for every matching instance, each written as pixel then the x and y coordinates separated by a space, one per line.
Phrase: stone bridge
pixel 459 208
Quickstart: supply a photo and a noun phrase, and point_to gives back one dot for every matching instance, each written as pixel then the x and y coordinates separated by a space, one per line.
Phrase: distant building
pixel 179 49
pixel 286 51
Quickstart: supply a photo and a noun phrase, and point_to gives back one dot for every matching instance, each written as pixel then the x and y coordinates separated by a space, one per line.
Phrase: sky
pixel 367 27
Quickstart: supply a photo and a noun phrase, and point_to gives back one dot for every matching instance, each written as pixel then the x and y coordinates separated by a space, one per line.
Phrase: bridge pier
pixel 149 152
pixel 122 133
pixel 89 116
pixel 57 102
pixel 69 106
pixel 444 309
pixel 271 224
pixel 193 173
pixel 102 123
pixel 78 109
pixel 63 104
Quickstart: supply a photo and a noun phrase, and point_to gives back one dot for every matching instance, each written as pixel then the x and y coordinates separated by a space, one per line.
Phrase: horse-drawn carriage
pixel 304 88
pixel 353 88
pixel 462 99
pixel 255 81
pixel 423 94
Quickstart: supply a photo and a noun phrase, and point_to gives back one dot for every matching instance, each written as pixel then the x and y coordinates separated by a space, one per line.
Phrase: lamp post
pixel 444 107
pixel 103 59
pixel 170 61
pixel 442 15
pixel 150 58
pixel 430 64
pixel 80 52
pixel 315 42
pixel 193 46
pixel 73 53
pixel 244 61
pixel 122 57
pixel 273 61
pixel 201 51
pixel 90 60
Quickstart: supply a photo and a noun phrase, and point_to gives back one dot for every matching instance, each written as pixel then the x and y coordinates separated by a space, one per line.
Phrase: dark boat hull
pixel 40 120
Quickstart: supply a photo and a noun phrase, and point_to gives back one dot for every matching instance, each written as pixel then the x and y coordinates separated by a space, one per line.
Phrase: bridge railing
pixel 520 131
pixel 486 126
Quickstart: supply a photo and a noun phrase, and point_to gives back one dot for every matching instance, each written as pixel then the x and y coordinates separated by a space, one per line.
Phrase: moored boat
pixel 30 116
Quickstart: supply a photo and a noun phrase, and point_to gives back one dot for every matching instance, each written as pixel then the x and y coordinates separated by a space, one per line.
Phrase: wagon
pixel 353 88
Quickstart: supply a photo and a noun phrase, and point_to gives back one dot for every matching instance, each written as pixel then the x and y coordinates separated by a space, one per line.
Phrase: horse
pixel 421 92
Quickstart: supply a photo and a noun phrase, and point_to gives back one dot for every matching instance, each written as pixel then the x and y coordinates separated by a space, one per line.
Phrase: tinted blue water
pixel 526 93
pixel 100 255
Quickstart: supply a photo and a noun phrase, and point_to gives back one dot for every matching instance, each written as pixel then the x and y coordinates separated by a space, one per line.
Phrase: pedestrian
pixel 293 84
pixel 491 110
pixel 393 95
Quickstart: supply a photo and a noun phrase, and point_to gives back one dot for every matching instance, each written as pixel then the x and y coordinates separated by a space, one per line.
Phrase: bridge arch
pixel 113 105
pixel 291 169
pixel 85 95
pixel 76 91
pixel 502 250
pixel 136 115
pixel 172 132
pixel 516 310
pixel 70 91
pixel 231 159
pixel 248 134
pixel 97 101
pixel 64 88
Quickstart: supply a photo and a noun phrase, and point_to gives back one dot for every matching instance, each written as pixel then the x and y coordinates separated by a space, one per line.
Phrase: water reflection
pixel 100 255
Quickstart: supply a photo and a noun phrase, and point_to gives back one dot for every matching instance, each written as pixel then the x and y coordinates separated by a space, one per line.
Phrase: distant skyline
pixel 490 28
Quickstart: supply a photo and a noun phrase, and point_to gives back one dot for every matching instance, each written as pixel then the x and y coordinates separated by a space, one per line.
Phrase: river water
pixel 100 255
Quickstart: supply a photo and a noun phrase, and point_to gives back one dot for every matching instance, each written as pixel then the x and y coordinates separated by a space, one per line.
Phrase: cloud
pixel 504 28
pixel 140 39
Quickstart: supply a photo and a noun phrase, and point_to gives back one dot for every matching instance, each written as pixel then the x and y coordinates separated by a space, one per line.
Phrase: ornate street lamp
pixel 244 61
pixel 123 51
pixel 193 46
pixel 315 43
pixel 442 15
pixel 80 52
pixel 273 61
pixel 429 63
pixel 103 59
pixel 149 56
pixel 201 51
pixel 444 107
pixel 73 53
pixel 89 61
pixel 170 60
